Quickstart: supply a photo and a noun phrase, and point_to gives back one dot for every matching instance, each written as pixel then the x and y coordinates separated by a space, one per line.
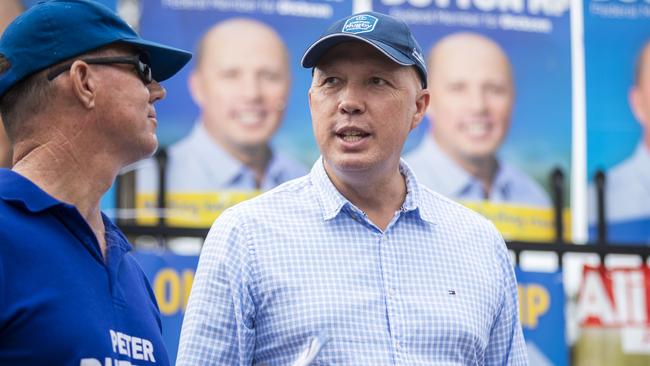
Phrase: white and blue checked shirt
pixel 300 262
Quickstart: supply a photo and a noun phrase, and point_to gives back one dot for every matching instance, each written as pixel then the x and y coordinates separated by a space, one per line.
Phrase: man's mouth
pixel 250 118
pixel 352 136
pixel 477 129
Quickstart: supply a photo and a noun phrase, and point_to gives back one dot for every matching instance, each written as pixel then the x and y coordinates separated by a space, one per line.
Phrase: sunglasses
pixel 142 68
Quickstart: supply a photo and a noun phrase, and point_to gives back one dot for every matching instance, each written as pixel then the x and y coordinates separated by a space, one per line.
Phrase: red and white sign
pixel 617 298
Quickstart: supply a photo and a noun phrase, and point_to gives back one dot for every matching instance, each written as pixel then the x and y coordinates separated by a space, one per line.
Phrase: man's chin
pixel 349 165
pixel 481 158
pixel 150 150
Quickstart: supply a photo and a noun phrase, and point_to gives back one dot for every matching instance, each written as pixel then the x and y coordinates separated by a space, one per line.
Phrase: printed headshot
pixel 472 98
pixel 240 83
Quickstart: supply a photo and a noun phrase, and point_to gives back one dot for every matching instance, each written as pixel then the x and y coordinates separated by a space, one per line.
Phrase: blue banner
pixel 541 307
pixel 618 125
pixel 171 278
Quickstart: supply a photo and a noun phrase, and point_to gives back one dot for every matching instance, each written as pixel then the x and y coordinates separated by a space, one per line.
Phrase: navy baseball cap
pixel 389 35
pixel 56 30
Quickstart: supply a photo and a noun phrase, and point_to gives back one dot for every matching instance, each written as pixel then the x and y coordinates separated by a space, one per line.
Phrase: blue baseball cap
pixel 56 30
pixel 390 35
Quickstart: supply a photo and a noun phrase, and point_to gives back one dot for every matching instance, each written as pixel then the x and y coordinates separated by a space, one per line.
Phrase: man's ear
pixel 84 83
pixel 421 105
pixel 194 85
pixel 635 98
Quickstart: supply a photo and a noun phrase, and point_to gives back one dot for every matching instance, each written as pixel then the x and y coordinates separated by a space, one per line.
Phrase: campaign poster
pixel 171 277
pixel 613 311
pixel 235 121
pixel 541 310
pixel 618 124
pixel 500 114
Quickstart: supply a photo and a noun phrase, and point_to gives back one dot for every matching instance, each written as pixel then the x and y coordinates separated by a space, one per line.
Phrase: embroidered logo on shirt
pixel 452 292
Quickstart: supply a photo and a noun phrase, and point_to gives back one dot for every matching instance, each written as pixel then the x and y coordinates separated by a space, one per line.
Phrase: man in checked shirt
pixel 355 263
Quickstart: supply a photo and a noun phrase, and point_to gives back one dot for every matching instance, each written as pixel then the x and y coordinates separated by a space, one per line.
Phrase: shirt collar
pixel 230 169
pixel 504 180
pixel 214 158
pixel 279 170
pixel 414 195
pixel 16 188
pixel 641 158
pixel 333 201
pixel 114 235
pixel 454 181
pixel 451 179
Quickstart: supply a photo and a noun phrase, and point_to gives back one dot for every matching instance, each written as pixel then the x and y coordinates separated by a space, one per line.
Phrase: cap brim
pixel 165 61
pixel 319 48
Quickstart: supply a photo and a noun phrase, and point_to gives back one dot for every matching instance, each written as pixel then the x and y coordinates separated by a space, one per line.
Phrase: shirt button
pixel 392 292
pixel 398 346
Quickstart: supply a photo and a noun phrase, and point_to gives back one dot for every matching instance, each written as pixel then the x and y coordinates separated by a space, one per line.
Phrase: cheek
pixel 500 106
pixel 447 108
pixel 220 96
pixel 274 90
pixel 321 130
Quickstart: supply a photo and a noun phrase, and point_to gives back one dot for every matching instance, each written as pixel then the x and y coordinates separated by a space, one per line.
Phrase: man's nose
pixel 476 99
pixel 156 91
pixel 249 87
pixel 352 100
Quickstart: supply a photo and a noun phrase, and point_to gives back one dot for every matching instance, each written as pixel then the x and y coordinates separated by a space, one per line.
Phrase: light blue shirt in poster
pixel 197 164
pixel 627 199
pixel 301 263
pixel 436 170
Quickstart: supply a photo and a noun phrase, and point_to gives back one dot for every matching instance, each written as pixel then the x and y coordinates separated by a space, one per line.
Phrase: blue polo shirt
pixel 61 302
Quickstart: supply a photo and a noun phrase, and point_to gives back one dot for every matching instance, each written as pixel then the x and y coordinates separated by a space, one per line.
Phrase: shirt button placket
pixel 392 294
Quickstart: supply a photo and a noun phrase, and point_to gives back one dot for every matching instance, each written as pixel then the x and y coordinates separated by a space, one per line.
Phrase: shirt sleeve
pixel 218 328
pixel 506 345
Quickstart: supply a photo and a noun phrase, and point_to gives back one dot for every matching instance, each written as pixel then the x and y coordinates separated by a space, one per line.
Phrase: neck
pixel 256 157
pixel 482 169
pixel 78 179
pixel 379 194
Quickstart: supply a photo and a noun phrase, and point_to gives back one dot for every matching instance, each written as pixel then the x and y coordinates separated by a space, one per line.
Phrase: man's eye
pixel 496 89
pixel 330 80
pixel 377 81
pixel 270 76
pixel 229 74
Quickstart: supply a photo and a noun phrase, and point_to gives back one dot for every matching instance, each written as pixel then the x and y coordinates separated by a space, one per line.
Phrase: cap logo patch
pixel 360 24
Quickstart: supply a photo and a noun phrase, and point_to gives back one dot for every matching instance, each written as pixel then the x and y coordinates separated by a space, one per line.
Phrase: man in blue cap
pixel 77 94
pixel 355 263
